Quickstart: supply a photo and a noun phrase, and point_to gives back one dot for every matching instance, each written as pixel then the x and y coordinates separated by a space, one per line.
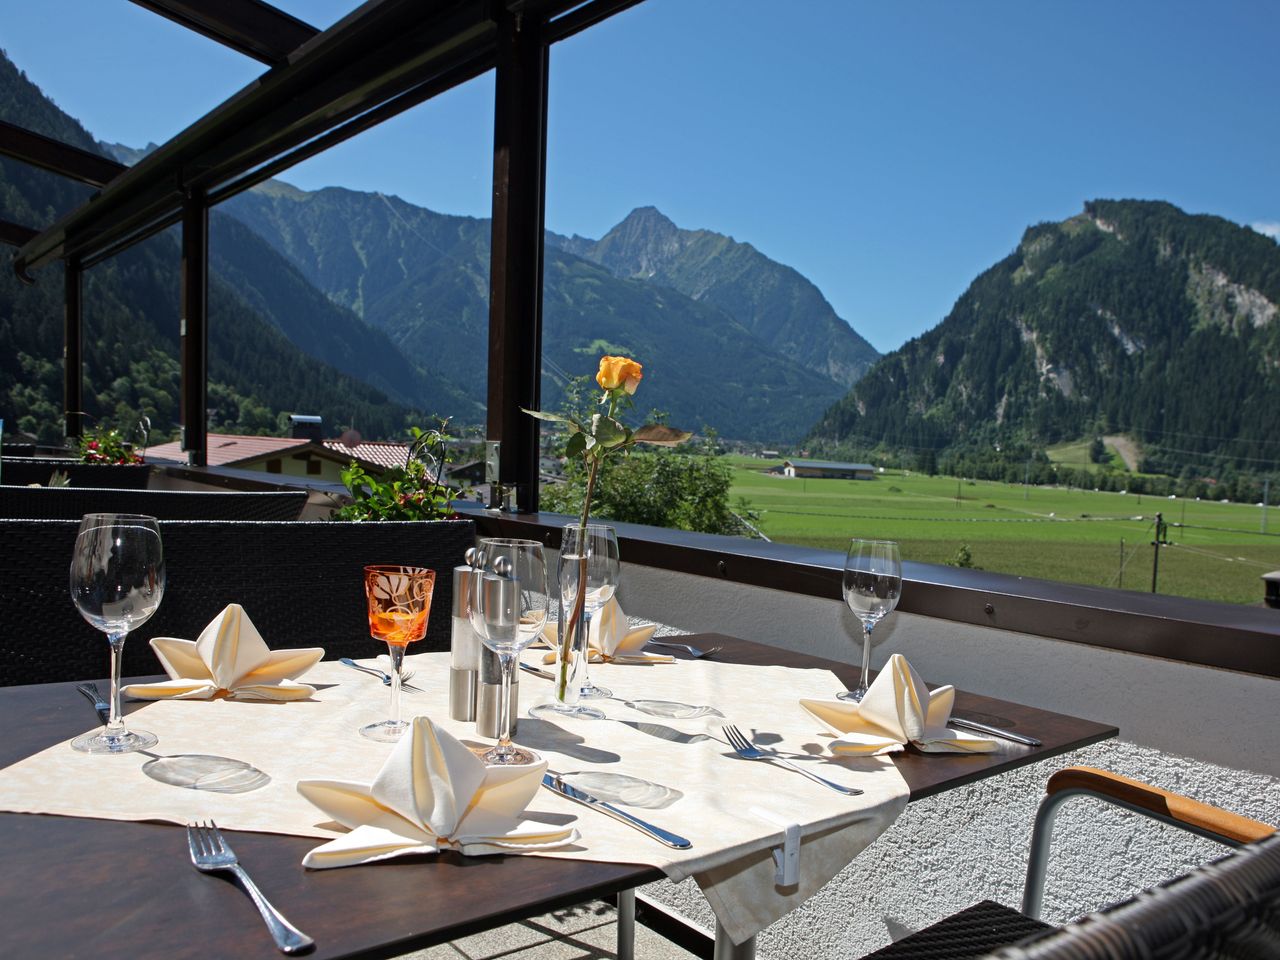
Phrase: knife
pixel 545 675
pixel 556 784
pixel 91 694
pixel 977 727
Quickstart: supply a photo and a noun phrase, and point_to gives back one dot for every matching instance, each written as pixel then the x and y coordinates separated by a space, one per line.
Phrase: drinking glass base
pixel 554 710
pixel 127 741
pixel 854 695
pixel 385 731
pixel 591 691
pixel 512 756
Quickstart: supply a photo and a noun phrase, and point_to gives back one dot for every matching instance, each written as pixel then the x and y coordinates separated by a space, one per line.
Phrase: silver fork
pixel 693 651
pixel 210 853
pixel 749 751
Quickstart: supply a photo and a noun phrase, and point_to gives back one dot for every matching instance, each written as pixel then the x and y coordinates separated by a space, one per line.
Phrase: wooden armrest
pixel 1203 816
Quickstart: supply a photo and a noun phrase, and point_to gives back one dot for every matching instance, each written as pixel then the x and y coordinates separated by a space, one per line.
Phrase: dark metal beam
pixel 251 27
pixel 384 49
pixel 515 280
pixel 194 329
pixel 15 233
pixel 73 350
pixel 56 156
pixel 584 16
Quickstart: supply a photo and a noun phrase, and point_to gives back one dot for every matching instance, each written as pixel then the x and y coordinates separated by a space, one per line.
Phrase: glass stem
pixel 866 656
pixel 396 652
pixel 115 726
pixel 584 648
pixel 508 661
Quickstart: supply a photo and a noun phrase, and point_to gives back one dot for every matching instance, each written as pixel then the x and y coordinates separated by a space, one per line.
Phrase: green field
pixel 1047 532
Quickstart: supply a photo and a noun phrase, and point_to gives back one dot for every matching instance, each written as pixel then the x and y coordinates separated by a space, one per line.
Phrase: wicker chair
pixel 72 503
pixel 299 581
pixel 20 471
pixel 1229 908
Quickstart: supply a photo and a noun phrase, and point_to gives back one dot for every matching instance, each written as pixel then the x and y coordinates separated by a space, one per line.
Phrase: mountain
pixel 422 277
pixel 774 302
pixel 1132 317
pixel 131 319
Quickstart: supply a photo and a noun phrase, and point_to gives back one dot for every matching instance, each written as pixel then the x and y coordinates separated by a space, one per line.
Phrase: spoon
pixel 694 652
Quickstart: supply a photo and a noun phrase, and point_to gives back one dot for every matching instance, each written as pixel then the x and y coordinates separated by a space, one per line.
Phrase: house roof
pixel 829 465
pixel 228 448
pixel 384 453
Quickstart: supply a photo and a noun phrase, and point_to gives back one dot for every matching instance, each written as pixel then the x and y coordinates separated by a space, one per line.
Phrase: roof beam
pixel 56 156
pixel 15 233
pixel 251 27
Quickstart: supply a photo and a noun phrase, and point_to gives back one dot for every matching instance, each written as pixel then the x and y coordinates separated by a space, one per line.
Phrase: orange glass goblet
pixel 399 601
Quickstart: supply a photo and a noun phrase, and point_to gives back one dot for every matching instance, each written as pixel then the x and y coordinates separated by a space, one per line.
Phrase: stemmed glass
pixel 587 574
pixel 399 602
pixel 508 612
pixel 872 585
pixel 589 570
pixel 117 580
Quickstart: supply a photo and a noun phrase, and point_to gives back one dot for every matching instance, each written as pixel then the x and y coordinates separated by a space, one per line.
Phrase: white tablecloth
pixel 731 809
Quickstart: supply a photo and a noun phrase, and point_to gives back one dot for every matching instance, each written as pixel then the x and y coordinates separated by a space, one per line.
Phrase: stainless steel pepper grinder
pixel 464 645
pixel 489 685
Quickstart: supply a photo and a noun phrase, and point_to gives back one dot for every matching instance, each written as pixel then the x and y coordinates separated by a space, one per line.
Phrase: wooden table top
pixel 72 887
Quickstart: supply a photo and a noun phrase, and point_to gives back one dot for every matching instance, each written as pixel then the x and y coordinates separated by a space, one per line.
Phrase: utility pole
pixel 1266 495
pixel 957 494
pixel 1026 479
pixel 1162 529
pixel 1120 583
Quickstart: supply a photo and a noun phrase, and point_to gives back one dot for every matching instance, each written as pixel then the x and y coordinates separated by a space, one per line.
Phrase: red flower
pixel 93 444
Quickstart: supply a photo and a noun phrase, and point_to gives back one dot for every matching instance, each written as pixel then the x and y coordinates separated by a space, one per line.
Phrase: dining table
pixel 75 886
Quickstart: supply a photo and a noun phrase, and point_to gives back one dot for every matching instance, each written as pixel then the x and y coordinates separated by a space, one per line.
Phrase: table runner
pixel 726 806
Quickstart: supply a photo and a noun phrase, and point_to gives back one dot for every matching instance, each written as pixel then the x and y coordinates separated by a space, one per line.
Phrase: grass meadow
pixel 1054 533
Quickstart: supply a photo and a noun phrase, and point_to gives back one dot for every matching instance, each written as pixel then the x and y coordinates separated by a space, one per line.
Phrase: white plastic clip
pixel 786 858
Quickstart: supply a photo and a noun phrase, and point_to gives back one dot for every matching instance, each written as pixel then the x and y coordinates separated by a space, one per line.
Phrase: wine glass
pixel 399 602
pixel 117 580
pixel 872 585
pixel 587 574
pixel 508 612
pixel 589 570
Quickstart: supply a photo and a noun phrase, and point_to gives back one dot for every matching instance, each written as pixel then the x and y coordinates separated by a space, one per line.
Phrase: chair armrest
pixel 1175 806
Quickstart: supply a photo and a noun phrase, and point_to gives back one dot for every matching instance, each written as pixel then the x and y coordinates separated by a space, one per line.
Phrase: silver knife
pixel 977 727
pixel 554 783
pixel 90 692
pixel 545 675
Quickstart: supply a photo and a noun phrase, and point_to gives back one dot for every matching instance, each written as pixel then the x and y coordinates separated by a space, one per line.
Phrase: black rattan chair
pixel 72 503
pixel 300 582
pixel 20 471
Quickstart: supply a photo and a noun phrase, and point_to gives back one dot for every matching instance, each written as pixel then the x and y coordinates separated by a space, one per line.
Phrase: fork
pixel 90 693
pixel 693 651
pixel 749 751
pixel 211 853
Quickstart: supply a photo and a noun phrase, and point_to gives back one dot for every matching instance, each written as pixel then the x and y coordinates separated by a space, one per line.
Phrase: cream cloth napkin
pixel 229 657
pixel 610 639
pixel 432 794
pixel 898 709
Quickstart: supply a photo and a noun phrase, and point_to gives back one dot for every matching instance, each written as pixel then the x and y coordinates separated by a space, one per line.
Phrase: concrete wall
pixel 1206 733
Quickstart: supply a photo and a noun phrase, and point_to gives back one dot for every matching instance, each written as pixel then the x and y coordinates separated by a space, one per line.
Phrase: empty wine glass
pixel 872 585
pixel 399 602
pixel 508 612
pixel 117 580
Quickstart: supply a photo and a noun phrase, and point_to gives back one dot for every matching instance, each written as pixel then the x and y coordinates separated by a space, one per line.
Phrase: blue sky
pixel 888 151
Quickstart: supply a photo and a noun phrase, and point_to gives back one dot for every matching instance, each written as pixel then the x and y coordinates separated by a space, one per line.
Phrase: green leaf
pixel 608 432
pixel 552 417
pixel 576 445
pixel 660 435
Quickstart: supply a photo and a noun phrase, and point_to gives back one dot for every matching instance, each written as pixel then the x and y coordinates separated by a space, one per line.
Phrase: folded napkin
pixel 898 709
pixel 610 640
pixel 231 658
pixel 432 794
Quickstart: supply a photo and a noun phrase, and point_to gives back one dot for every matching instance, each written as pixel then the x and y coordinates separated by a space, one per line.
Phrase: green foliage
pixel 413 492
pixel 963 557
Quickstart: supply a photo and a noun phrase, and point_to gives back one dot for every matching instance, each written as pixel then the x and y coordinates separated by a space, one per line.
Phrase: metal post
pixel 1120 578
pixel 1157 543
pixel 73 350
pixel 627 924
pixel 1266 496
pixel 193 329
pixel 515 274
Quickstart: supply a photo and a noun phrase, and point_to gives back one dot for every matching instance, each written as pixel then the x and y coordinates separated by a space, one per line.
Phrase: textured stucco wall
pixel 1206 733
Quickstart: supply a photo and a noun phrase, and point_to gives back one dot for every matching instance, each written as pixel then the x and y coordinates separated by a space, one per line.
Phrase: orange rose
pixel 619 372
